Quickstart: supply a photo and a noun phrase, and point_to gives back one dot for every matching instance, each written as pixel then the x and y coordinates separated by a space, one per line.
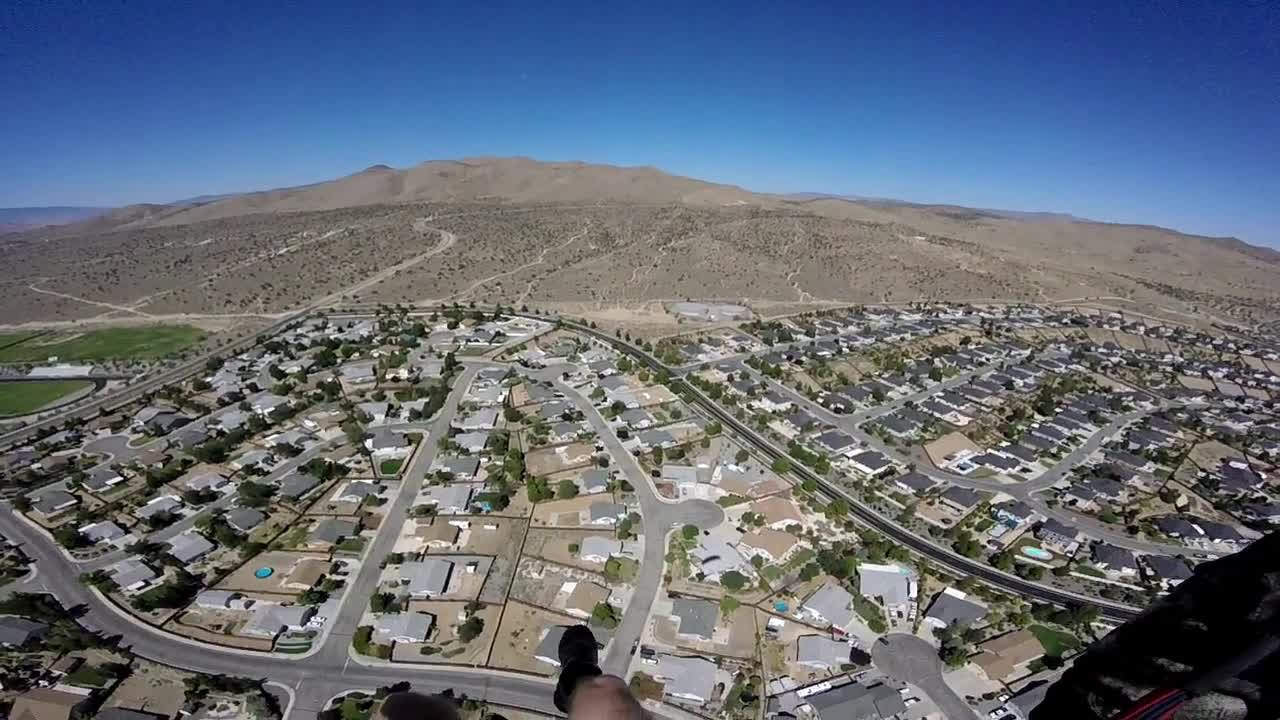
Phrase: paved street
pixel 660 516
pixel 356 596
pixel 909 659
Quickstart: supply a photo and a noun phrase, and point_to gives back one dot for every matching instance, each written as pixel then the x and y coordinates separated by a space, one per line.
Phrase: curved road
pixel 909 659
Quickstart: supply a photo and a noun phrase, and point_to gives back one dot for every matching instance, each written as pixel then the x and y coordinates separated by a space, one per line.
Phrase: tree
pixel 728 604
pixel 781 465
pixel 471 629
pixel 741 456
pixel 605 615
pixel 538 490
pixel 566 489
pixel 733 580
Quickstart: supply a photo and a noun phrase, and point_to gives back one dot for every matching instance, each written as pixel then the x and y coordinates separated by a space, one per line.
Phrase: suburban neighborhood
pixel 760 519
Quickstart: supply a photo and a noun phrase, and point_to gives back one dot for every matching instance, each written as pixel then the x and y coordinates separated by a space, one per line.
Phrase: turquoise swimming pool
pixel 264 572
pixel 1036 553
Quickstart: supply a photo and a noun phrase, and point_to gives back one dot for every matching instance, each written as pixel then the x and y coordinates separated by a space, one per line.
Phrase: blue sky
pixel 1157 112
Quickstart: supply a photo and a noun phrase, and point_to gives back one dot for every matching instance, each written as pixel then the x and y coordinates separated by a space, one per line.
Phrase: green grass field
pixel 127 343
pixel 1056 643
pixel 19 398
pixel 7 339
pixel 391 466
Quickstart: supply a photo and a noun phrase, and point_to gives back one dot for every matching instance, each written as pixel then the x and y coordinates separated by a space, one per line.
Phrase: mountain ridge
pixel 524 180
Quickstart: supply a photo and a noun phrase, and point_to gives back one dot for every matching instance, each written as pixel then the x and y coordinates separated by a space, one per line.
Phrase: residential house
pixel 598 548
pixel 772 402
pixel 913 483
pixel 584 597
pixel 102 478
pixel 856 701
pixel 297 485
pixel 189 547
pixel 459 467
pixel 1058 537
pixel 100 532
pixel 404 627
pixel 131 575
pixel 271 619
pixel 332 531
pixel 778 512
pixel 448 499
pixel 692 679
pixel 383 444
pixel 357 491
pixel 244 520
pixel 829 605
pixel 426 578
pixel 605 513
pixel 54 502
pixel 1006 657
pixel 18 631
pixel 774 546
pixel 953 607
pixel 890 584
pixel 871 463
pixel 1118 563
pixel 961 500
pixel 1166 572
pixel 165 504
pixel 47 703
pixel 821 652
pixel 836 443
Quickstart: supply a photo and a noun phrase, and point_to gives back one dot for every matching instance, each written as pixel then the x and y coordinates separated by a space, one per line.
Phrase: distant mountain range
pixel 523 181
pixel 957 209
pixel 27 218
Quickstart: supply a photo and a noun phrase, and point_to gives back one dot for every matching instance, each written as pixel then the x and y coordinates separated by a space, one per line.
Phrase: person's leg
pixel 579 660
pixel 583 692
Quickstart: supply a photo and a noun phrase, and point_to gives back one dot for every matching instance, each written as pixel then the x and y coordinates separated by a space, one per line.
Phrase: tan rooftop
pixel 775 542
pixel 307 572
pixel 586 596
pixel 776 509
pixel 44 704
pixel 437 532
pixel 1000 657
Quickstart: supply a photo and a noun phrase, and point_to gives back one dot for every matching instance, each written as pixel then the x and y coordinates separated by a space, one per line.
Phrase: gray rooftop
pixel 833 603
pixel 884 581
pixel 822 650
pixel 190 546
pixel 427 577
pixel 951 609
pixel 697 617
pixel 333 530
pixel 245 519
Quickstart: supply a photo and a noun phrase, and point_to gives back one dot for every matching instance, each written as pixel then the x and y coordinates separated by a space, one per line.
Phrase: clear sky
pixel 1160 112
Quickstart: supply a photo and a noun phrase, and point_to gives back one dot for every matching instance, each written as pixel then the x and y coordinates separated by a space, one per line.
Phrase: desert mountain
pixel 511 180
pixel 598 237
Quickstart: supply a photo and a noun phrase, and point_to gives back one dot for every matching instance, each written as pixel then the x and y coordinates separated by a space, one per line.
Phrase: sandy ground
pixel 518 636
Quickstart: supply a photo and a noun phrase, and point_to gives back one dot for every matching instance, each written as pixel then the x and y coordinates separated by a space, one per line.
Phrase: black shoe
pixel 578 645
pixel 579 660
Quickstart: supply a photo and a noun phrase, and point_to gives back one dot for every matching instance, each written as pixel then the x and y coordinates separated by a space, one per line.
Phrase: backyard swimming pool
pixel 1036 553
pixel 264 572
